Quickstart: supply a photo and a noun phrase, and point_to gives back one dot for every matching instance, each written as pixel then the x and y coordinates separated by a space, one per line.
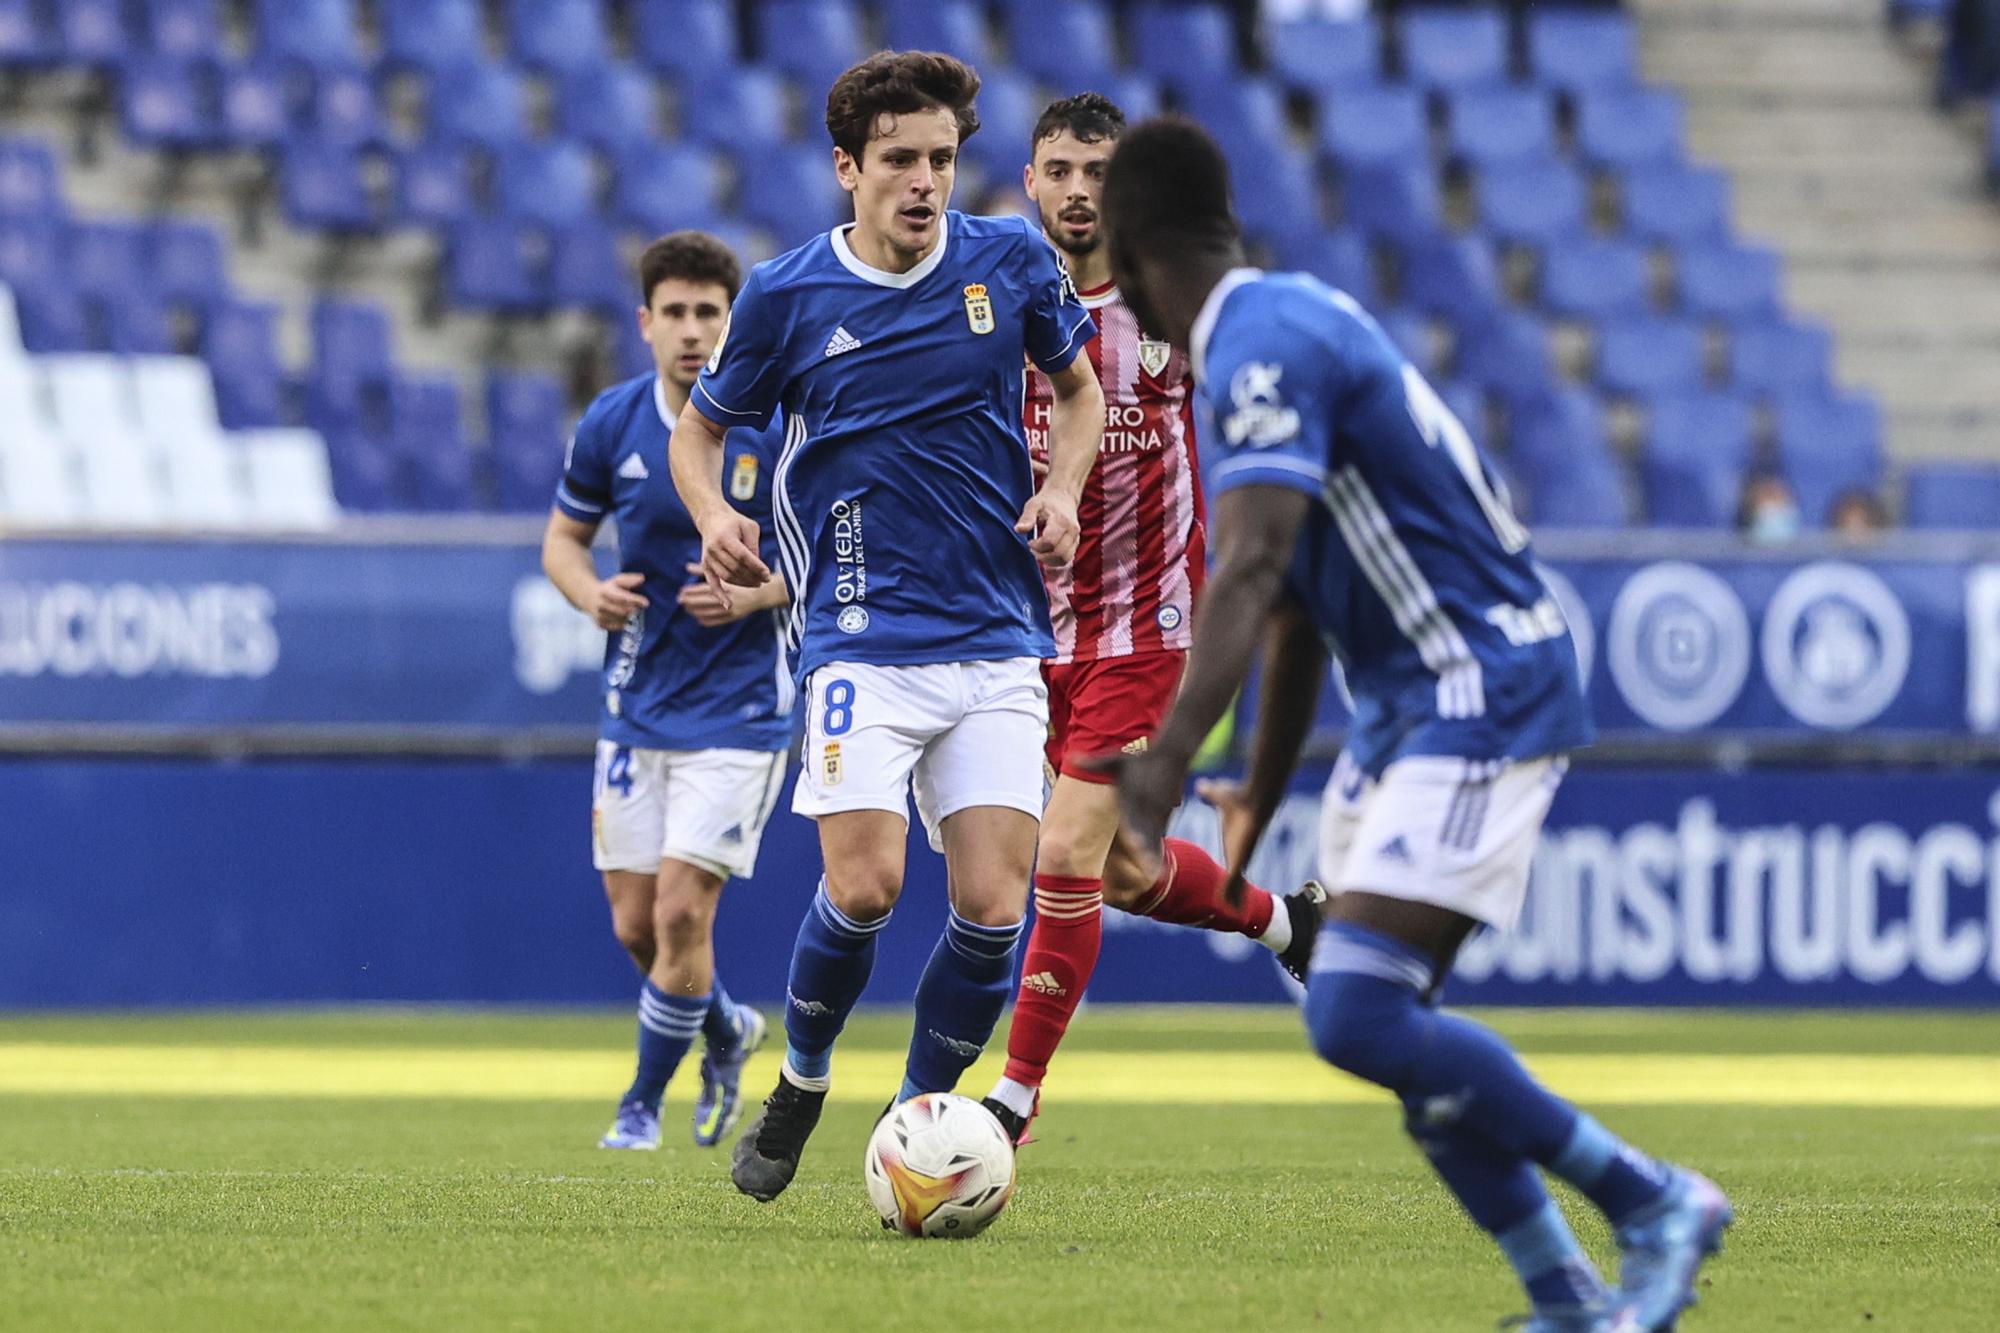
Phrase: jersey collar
pixel 660 401
pixel 880 277
pixel 1211 310
pixel 1096 298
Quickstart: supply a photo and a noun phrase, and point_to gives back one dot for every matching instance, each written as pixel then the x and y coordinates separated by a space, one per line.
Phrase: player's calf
pixel 1189 892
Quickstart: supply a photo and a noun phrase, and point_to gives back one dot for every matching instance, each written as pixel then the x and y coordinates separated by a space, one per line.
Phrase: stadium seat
pixel 1588 491
pixel 551 183
pixel 311 32
pixel 1068 47
pixel 1952 495
pixel 26 40
pixel 558 37
pixel 431 35
pixel 1410 333
pixel 135 322
pixel 1339 258
pixel 1375 126
pixel 12 355
pixel 89 397
pixel 173 399
pixel 1728 282
pixel 31 249
pixel 368 476
pixel 185 29
pixel 524 413
pixel 289 484
pixel 203 482
pixel 324 187
pixel 1780 357
pixel 587 270
pixel 240 343
pixel 1502 126
pixel 1507 354
pixel 813 41
pixel 434 185
pixel 1246 116
pixel 255 104
pixel 1594 278
pixel 687 38
pixel 1582 50
pixel 1650 357
pixel 1285 206
pixel 345 109
pixel 1183 45
pixel 30 186
pixel 186 262
pixel 611 108
pixel 1533 203
pixel 103 257
pixel 1318 56
pixel 664 187
pixel 1827 444
pixel 956 27
pixel 1136 94
pixel 1630 127
pixel 793 193
pixel 123 486
pixel 1008 107
pixel 351 348
pixel 166 102
pixel 495 264
pixel 52 318
pixel 1451 48
pixel 426 431
pixel 480 104
pixel 1390 201
pixel 630 354
pixel 1452 277
pixel 1698 449
pixel 1676 204
pixel 735 110
pixel 39 486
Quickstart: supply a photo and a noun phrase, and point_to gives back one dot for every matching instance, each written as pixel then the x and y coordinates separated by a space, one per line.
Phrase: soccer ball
pixel 940 1166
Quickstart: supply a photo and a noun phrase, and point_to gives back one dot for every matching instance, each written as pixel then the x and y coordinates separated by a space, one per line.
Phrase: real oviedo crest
pixel 978 308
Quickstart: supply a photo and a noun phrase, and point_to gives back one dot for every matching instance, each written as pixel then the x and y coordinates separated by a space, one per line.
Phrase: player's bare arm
pixel 728 538
pixel 1076 429
pixel 567 561
pixel 700 601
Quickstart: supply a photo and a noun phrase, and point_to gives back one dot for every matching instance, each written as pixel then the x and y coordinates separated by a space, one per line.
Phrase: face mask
pixel 1774 524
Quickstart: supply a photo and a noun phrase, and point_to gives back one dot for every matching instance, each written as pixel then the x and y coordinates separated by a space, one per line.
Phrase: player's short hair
pixel 1169 181
pixel 692 256
pixel 1091 117
pixel 896 83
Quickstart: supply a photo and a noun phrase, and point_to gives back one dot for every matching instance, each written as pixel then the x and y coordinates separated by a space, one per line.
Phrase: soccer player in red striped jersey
pixel 1123 611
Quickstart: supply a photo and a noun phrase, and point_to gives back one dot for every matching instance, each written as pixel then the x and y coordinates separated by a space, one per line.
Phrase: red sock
pixel 1189 893
pixel 1062 953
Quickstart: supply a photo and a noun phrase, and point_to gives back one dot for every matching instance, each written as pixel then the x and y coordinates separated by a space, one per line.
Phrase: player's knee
pixel 683 922
pixel 991 913
pixel 635 932
pixel 865 892
pixel 1359 1024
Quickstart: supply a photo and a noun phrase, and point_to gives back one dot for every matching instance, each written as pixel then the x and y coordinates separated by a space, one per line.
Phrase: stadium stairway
pixel 1825 122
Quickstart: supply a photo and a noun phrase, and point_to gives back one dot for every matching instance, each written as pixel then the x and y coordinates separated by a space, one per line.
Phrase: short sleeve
pixel 745 378
pixel 1269 421
pixel 584 493
pixel 1058 326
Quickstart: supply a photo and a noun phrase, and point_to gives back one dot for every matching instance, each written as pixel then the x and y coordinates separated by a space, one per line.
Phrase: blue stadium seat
pixel 1008 106
pixel 431 35
pixel 345 109
pixel 1068 47
pixel 793 193
pixel 104 256
pixel 736 110
pixel 52 318
pixel 239 340
pixel 495 264
pixel 525 419
pixel 1184 45
pixel 1285 206
pixel 1450 276
pixel 1727 282
pixel 1390 200
pixel 94 32
pixel 956 27
pixel 1410 332
pixel 135 323
pixel 1507 354
pixel 368 478
pixel 1375 126
pixel 1556 425
pixel 351 348
pixel 184 29
pixel 558 36
pixel 630 354
pixel 1581 50
pixel 32 250
pixel 186 262
pixel 1780 357
pixel 483 104
pixel 587 270
pixel 811 40
pixel 549 182
pixel 611 108
pixel 166 102
pixel 1533 203
pixel 1136 94
pixel 1468 403
pixel 1454 48
pixel 1952 495
pixel 1244 115
pixel 312 32
pixel 1827 444
pixel 1318 56
pixel 1631 127
pixel 26 41
pixel 1501 126
pixel 1339 258
pixel 1650 357
pixel 1593 278
pixel 255 104
pixel 664 187
pixel 1676 204
pixel 1698 449
pixel 30 185
pixel 324 187
pixel 434 185
pixel 688 38
pixel 427 431
pixel 1588 491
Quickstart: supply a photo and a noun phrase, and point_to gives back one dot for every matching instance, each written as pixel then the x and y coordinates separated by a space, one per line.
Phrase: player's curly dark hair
pixel 1169 182
pixel 693 256
pixel 897 83
pixel 1091 117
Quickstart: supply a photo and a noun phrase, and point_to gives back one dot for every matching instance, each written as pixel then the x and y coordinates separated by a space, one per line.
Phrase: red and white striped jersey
pixel 1141 559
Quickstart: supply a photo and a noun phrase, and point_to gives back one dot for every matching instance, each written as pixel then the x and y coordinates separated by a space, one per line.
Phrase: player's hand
pixel 1239 831
pixel 729 556
pixel 1049 523
pixel 699 600
pixel 614 600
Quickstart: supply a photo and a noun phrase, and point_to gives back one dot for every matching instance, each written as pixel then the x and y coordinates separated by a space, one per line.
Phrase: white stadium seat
pixel 89 396
pixel 122 485
pixel 205 484
pixel 38 478
pixel 175 398
pixel 290 482
pixel 10 327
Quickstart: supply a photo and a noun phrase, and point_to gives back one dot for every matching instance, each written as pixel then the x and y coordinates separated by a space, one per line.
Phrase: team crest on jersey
pixel 830 763
pixel 743 478
pixel 1153 355
pixel 978 308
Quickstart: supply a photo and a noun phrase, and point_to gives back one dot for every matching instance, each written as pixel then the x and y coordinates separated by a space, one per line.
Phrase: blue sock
pixel 1622 1181
pixel 719 1026
pixel 964 988
pixel 667 1024
pixel 831 961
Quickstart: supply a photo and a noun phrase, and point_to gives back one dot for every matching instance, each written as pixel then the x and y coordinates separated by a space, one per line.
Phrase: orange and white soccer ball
pixel 939 1165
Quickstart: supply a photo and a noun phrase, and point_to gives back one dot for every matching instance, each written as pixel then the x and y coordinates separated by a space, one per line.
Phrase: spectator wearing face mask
pixel 1768 514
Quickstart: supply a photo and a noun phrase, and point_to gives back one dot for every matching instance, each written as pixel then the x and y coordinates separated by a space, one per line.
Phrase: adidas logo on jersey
pixel 1043 983
pixel 841 341
pixel 1396 850
pixel 633 468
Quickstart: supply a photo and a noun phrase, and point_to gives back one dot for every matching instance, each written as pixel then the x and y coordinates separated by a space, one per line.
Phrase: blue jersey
pixel 670 682
pixel 1411 562
pixel 904 466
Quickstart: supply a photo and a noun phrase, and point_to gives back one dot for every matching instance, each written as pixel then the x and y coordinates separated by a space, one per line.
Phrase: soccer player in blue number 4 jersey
pixel 698 702
pixel 1353 513
pixel 909 528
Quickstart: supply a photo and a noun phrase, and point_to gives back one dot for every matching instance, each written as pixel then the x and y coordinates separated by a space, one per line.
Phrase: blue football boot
pixel 1660 1256
pixel 637 1127
pixel 720 1105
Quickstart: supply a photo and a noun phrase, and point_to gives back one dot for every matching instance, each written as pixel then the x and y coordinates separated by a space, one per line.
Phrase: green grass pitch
pixel 435 1171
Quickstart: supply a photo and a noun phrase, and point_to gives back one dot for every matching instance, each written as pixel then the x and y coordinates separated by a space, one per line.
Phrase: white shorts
pixel 707 808
pixel 965 733
pixel 1457 833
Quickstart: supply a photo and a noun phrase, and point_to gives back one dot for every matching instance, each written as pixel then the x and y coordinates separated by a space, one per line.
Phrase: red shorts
pixel 1107 705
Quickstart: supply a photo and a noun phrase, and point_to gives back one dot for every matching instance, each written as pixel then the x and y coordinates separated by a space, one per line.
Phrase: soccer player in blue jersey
pixel 909 528
pixel 698 701
pixel 1353 514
